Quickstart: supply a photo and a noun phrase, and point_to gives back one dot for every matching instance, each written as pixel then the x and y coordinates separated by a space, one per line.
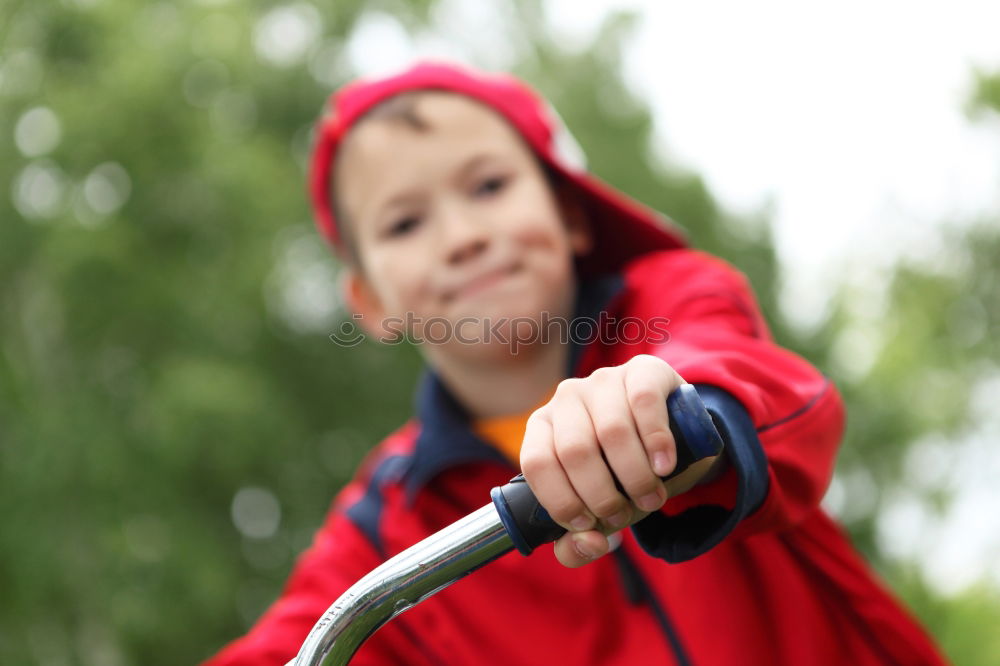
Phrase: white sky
pixel 847 117
pixel 846 120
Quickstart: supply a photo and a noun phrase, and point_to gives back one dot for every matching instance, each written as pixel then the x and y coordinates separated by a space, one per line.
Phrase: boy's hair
pixel 622 228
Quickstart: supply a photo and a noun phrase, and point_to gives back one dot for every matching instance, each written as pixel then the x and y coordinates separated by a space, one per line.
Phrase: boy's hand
pixel 613 422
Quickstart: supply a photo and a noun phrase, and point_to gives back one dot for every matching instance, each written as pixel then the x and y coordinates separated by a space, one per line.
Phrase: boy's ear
pixel 362 300
pixel 581 237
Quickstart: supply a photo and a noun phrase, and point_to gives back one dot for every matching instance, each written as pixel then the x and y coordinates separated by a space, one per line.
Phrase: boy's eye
pixel 490 186
pixel 403 225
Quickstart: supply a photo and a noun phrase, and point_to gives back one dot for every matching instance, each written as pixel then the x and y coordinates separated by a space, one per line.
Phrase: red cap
pixel 622 227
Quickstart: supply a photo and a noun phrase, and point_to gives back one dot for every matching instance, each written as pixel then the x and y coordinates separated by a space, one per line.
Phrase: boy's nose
pixel 463 239
pixel 462 252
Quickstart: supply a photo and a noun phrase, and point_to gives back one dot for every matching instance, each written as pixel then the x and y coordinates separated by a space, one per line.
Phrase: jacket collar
pixel 446 438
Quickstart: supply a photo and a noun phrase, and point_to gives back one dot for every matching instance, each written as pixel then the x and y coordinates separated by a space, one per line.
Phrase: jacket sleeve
pixel 339 556
pixel 718 338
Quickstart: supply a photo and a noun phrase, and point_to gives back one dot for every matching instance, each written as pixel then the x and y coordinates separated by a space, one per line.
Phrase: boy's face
pixel 455 222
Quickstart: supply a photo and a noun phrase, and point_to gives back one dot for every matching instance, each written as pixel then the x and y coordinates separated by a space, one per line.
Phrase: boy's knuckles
pixel 644 360
pixel 565 510
pixel 644 397
pixel 647 485
pixel 657 440
pixel 636 475
pixel 608 506
pixel 540 415
pixel 604 374
pixel 534 464
pixel 574 453
pixel 613 431
pixel 569 386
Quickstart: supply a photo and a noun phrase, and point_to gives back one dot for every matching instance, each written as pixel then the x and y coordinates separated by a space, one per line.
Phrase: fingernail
pixel 618 520
pixel 650 502
pixel 661 464
pixel 581 523
pixel 583 550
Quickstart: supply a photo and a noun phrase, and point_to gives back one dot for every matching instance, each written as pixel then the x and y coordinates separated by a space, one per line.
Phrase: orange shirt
pixel 507 432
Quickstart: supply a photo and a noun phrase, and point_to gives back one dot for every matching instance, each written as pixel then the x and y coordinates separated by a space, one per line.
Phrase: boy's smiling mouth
pixel 480 281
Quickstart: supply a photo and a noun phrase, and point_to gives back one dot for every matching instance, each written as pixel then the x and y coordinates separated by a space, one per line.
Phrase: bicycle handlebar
pixel 515 520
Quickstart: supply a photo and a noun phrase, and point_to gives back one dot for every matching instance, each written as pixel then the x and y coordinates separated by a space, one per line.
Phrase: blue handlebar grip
pixel 695 435
pixel 529 524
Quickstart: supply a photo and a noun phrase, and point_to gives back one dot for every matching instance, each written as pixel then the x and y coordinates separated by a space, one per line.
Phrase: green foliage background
pixel 159 356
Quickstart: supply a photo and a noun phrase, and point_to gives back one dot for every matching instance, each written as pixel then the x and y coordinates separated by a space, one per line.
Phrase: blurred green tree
pixel 164 305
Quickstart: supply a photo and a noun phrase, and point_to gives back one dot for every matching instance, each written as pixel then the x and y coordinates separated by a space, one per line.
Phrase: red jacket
pixel 745 570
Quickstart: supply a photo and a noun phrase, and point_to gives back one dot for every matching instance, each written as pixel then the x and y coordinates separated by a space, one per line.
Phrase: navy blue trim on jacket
pixel 445 439
pixel 367 511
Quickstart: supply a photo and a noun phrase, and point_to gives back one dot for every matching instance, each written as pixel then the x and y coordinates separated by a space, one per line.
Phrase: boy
pixel 451 198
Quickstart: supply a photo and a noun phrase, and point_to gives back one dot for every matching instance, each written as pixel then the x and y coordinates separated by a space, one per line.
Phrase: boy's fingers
pixel 546 478
pixel 647 387
pixel 575 549
pixel 580 455
pixel 616 432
